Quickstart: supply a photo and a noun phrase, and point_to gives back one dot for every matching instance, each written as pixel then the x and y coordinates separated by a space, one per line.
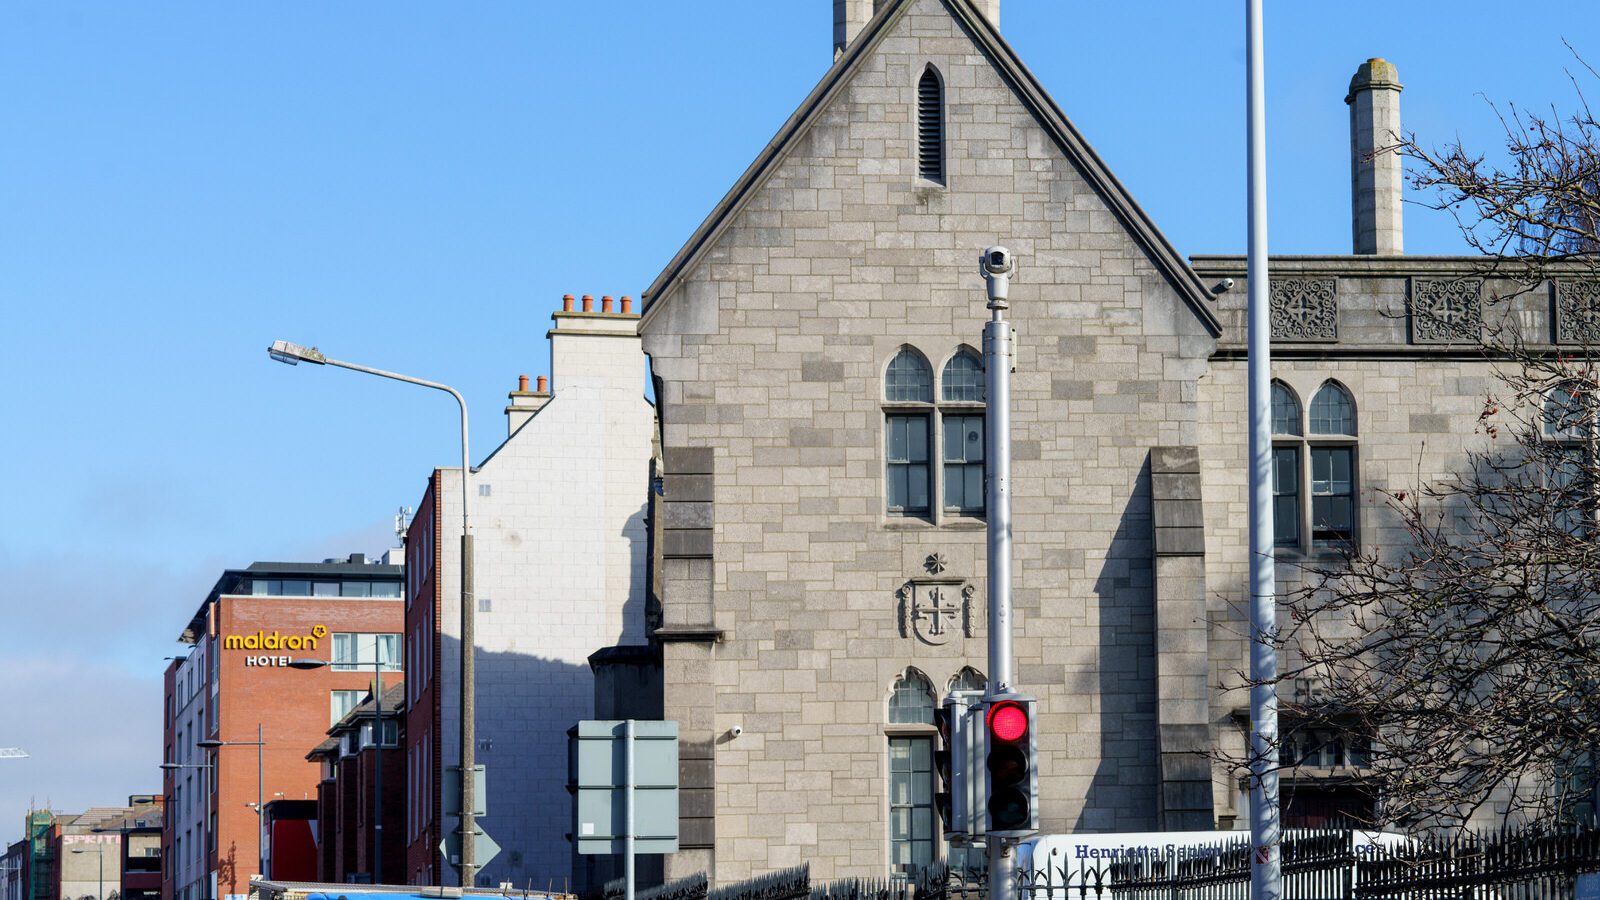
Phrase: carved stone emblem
pixel 935 610
pixel 1446 310
pixel 1305 309
pixel 936 563
pixel 1577 312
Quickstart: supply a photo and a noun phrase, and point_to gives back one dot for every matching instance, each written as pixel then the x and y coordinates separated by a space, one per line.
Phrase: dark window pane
pixel 908 379
pixel 963 378
pixel 1286 496
pixel 1285 411
pixel 917 439
pixel 296 588
pixel 1332 411
pixel 356 589
pixel 386 589
pixel 917 490
pixel 325 589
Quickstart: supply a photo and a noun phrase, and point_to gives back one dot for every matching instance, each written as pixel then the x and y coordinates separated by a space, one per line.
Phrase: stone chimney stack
pixel 850 16
pixel 1375 174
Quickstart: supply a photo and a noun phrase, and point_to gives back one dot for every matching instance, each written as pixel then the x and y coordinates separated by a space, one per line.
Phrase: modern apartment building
pixel 239 714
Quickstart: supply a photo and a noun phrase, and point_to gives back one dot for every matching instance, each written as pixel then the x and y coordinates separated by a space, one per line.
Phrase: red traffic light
pixel 1008 721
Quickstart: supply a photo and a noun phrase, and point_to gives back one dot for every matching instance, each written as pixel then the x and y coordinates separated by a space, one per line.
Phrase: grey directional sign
pixel 484 847
pixel 599 754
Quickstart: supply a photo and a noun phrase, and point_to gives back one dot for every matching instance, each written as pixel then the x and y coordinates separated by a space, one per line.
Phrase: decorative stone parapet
pixel 1446 310
pixel 1577 311
pixel 1305 309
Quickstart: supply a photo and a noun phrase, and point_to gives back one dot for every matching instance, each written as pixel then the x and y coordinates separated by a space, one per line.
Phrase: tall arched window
pixel 1569 435
pixel 1316 462
pixel 908 427
pixel 911 816
pixel 961 389
pixel 1333 466
pixel 1286 442
pixel 930 125
pixel 968 679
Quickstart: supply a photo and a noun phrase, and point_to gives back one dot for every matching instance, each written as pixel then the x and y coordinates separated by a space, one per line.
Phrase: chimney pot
pixel 627 304
pixel 566 303
pixel 522 383
pixel 544 384
pixel 588 303
pixel 605 303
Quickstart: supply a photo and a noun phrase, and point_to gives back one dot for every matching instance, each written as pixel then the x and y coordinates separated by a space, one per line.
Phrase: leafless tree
pixel 1461 667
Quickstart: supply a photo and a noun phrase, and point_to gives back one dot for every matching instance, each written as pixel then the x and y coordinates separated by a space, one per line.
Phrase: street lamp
pixel 377 756
pixel 258 744
pixel 101 848
pixel 294 354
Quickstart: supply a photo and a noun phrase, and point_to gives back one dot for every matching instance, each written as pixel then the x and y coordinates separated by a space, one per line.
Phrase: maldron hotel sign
pixel 262 640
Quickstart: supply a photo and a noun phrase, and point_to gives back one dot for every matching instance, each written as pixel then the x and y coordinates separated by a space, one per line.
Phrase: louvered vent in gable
pixel 930 126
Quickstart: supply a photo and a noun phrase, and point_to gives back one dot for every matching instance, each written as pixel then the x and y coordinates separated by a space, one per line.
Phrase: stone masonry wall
pixel 771 352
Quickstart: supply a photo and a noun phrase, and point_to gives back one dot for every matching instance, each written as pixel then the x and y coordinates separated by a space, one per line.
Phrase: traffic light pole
pixel 996 266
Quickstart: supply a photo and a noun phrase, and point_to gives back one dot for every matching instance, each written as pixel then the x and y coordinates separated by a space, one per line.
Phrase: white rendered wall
pixel 560 553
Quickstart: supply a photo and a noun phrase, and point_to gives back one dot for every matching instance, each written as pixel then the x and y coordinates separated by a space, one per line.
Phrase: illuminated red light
pixel 1008 721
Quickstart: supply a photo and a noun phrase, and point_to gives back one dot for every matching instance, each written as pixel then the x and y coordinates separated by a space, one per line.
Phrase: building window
pixel 1568 441
pixel 908 387
pixel 1318 463
pixel 356 652
pixel 914 424
pixel 961 388
pixel 341 702
pixel 930 125
pixel 912 826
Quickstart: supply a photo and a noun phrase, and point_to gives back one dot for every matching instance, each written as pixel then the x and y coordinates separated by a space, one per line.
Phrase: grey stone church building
pixel 820 553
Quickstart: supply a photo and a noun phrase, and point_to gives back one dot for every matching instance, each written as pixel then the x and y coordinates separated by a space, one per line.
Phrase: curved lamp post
pixel 294 354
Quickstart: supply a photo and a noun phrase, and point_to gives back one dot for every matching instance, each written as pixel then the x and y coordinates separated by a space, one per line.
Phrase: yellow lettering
pixel 253 642
pixel 233 642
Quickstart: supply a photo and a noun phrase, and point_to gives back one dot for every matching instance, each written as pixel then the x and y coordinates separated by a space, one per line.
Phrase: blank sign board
pixel 601 780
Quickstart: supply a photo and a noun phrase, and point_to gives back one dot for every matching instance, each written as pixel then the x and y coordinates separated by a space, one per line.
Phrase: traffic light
pixel 956 761
pixel 941 768
pixel 1012 804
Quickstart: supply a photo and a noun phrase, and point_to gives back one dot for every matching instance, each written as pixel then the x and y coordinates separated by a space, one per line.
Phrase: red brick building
pixel 238 680
pixel 424 821
pixel 346 813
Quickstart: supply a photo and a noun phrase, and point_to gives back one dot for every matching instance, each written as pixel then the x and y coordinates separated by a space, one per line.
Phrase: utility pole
pixel 996 266
pixel 1266 876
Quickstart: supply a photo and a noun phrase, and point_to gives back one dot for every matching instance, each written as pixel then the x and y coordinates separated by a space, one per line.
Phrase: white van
pixel 1060 861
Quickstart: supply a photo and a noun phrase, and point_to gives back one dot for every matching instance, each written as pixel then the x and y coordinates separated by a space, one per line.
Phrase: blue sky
pixel 413 186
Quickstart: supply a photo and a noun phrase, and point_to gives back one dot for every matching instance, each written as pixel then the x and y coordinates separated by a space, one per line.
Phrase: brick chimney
pixel 1375 174
pixel 850 16
pixel 524 403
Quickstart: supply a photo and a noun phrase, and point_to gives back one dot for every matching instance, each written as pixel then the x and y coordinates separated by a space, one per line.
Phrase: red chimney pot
pixel 522 383
pixel 544 384
pixel 588 303
pixel 605 304
pixel 627 304
pixel 566 303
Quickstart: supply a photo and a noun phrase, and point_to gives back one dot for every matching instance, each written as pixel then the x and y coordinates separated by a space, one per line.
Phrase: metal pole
pixel 997 362
pixel 261 811
pixel 102 887
pixel 469 868
pixel 377 776
pixel 627 802
pixel 1266 877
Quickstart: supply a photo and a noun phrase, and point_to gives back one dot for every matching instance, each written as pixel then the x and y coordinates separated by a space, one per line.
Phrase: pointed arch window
pixel 1286 442
pixel 930 125
pixel 1327 475
pixel 911 816
pixel 1569 437
pixel 914 425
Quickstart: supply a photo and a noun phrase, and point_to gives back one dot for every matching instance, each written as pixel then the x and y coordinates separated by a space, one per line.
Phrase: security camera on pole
pixel 1010 810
